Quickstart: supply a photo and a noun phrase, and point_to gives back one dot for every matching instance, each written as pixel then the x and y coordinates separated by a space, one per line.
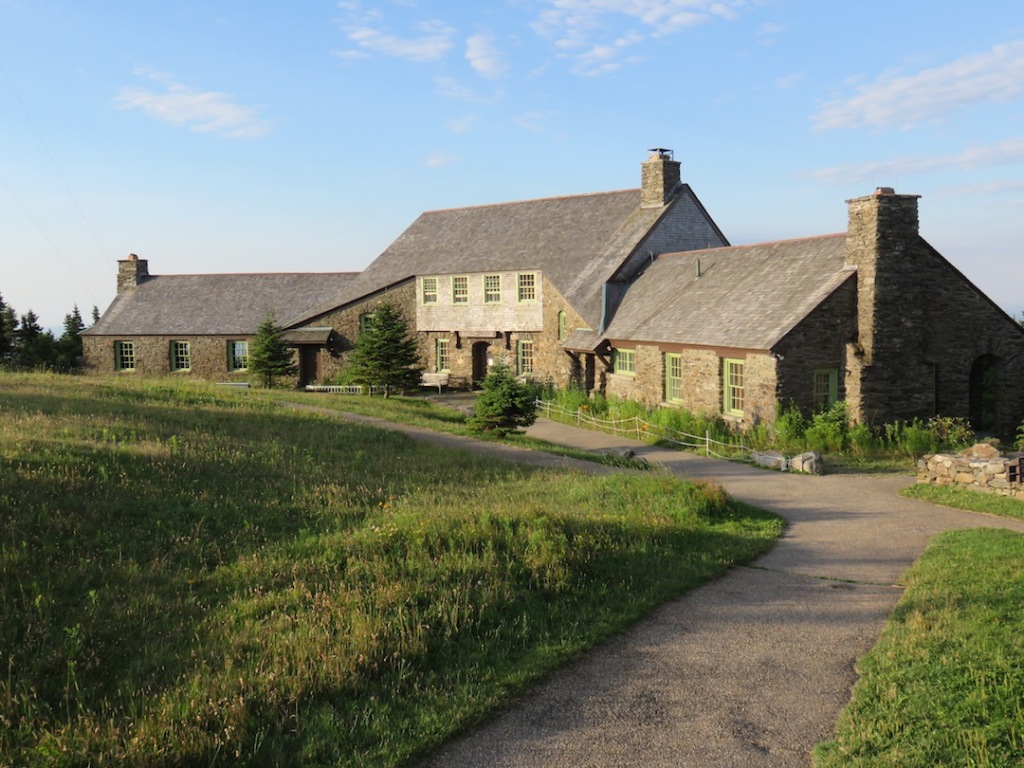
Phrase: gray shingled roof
pixel 200 305
pixel 747 297
pixel 577 242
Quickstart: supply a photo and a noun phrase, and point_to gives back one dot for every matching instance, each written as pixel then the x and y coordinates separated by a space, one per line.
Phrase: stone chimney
pixel 883 242
pixel 659 178
pixel 131 272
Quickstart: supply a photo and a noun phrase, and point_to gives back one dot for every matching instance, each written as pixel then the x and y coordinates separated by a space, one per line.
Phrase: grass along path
pixel 945 684
pixel 190 575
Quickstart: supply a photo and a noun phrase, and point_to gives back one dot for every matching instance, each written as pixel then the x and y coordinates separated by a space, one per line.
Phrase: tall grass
pixel 191 576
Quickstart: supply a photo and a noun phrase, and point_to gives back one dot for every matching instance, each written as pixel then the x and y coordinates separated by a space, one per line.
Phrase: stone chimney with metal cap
pixel 659 178
pixel 131 272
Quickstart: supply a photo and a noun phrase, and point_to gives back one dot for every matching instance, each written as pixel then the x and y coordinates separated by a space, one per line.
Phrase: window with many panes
pixel 124 355
pixel 826 388
pixel 364 321
pixel 238 355
pixel 443 360
pixel 181 356
pixel 732 386
pixel 673 377
pixel 429 290
pixel 625 361
pixel 527 286
pixel 525 358
pixel 460 289
pixel 492 289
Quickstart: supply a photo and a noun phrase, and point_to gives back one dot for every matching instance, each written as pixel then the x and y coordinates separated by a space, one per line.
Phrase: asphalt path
pixel 751 669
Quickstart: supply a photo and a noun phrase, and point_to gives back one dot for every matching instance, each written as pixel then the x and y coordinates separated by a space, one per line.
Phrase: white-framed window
pixel 524 358
pixel 673 377
pixel 732 386
pixel 443 359
pixel 364 321
pixel 526 286
pixel 124 355
pixel 238 355
pixel 460 289
pixel 181 356
pixel 625 361
pixel 429 293
pixel 492 289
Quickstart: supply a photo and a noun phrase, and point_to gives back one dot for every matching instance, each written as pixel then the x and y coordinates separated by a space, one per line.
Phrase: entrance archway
pixel 481 360
pixel 984 392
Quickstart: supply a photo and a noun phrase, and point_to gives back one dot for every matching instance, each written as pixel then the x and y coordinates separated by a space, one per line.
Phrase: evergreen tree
pixel 68 351
pixel 8 327
pixel 504 404
pixel 34 347
pixel 269 354
pixel 385 354
pixel 95 314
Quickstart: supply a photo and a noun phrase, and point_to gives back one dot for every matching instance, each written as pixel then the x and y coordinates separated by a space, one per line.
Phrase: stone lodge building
pixel 635 294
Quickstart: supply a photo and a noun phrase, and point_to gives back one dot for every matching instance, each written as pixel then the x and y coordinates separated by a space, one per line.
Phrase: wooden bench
pixel 439 380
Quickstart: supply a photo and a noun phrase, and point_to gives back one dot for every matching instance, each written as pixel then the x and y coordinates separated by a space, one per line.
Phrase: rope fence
pixel 645 431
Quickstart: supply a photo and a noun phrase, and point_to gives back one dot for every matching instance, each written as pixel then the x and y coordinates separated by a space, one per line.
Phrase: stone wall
pixel 701 387
pixel 921 325
pixel 981 468
pixel 208 356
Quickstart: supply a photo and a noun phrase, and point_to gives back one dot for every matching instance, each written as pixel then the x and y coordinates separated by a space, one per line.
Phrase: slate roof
pixel 747 296
pixel 577 241
pixel 201 305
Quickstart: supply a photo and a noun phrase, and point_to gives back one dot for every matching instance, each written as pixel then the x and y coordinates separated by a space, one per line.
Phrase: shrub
pixel 829 430
pixel 505 404
pixel 790 425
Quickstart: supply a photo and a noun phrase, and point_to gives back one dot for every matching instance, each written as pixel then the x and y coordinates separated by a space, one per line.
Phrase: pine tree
pixel 269 354
pixel 504 404
pixel 68 351
pixel 8 327
pixel 385 354
pixel 95 314
pixel 34 347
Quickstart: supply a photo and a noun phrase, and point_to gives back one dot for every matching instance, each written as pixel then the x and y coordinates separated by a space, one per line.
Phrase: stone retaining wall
pixel 980 468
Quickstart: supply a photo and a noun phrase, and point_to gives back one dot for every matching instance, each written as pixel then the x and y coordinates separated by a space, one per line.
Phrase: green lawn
pixel 196 576
pixel 945 684
pixel 965 498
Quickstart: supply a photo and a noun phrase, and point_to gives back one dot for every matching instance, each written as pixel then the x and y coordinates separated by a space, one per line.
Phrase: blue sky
pixel 270 136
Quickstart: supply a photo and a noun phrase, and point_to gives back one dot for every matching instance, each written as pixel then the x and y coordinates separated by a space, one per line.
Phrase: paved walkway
pixel 749 670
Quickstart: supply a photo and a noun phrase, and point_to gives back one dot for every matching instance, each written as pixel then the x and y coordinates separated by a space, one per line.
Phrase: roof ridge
pixel 753 245
pixel 532 200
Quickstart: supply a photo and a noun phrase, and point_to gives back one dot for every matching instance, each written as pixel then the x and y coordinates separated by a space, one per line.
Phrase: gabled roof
pixel 746 297
pixel 201 305
pixel 578 242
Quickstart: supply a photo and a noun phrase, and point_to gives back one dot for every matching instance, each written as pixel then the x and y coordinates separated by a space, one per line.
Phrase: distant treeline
pixel 25 345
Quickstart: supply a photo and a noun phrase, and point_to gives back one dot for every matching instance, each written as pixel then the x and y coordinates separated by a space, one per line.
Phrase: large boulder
pixel 809 462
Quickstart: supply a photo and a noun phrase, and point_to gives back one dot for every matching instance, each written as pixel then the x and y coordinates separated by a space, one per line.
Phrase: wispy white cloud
pixel 450 88
pixel 589 31
pixel 483 55
pixel 439 160
pixel 200 111
pixel 895 100
pixel 535 122
pixel 434 41
pixel 1004 153
pixel 462 124
pixel 791 80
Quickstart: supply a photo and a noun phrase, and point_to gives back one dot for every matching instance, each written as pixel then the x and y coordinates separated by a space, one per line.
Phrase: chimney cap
pixel 661 153
pixel 880 191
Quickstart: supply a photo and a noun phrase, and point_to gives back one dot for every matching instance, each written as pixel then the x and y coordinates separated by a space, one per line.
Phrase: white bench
pixel 439 380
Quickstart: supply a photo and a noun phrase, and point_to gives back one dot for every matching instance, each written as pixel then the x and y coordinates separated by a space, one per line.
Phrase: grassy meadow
pixel 945 684
pixel 196 576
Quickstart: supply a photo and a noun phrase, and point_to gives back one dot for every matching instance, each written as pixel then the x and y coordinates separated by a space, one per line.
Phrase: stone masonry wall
pixel 991 474
pixel 208 356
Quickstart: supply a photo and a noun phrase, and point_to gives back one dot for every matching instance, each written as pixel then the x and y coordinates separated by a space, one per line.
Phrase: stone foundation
pixel 981 468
